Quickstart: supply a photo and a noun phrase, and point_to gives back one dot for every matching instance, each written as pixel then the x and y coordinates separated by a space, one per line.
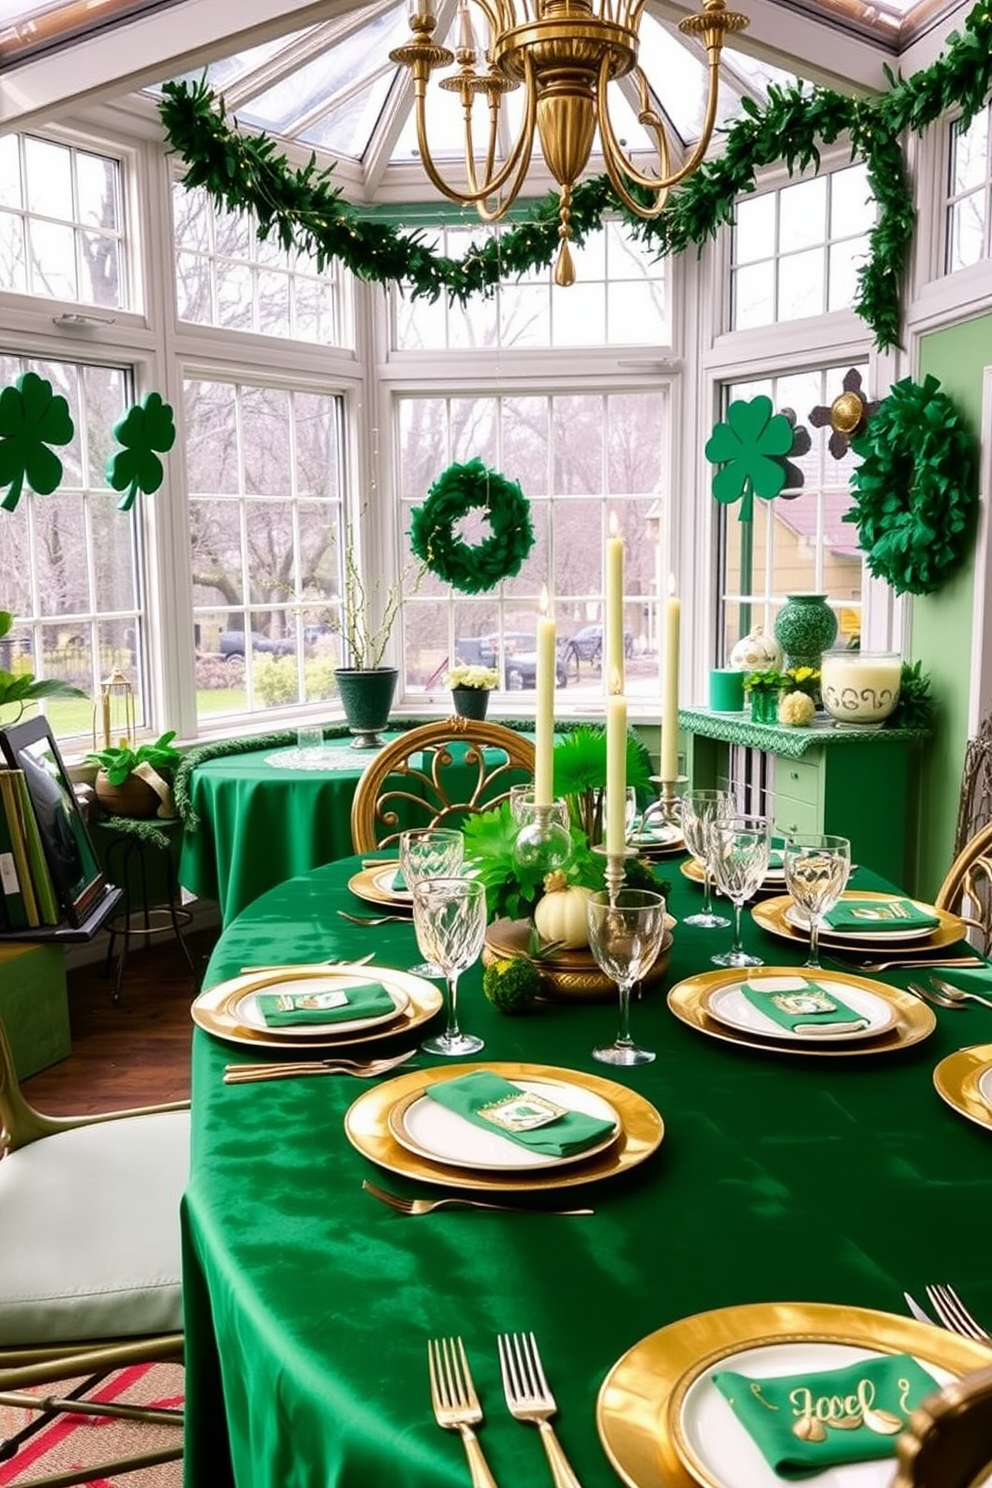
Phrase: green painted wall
pixel 941 628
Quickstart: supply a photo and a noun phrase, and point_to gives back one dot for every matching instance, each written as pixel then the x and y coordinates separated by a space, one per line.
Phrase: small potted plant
pixel 470 688
pixel 136 782
pixel 763 689
pixel 370 610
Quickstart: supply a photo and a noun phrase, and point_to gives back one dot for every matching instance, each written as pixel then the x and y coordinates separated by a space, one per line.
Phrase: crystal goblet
pixel 625 936
pixel 817 865
pixel 740 849
pixel 449 916
pixel 700 808
pixel 430 852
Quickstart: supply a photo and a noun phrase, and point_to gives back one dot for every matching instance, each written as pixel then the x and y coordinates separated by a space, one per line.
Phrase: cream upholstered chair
pixel 89 1251
pixel 967 889
pixel 948 1439
pixel 436 775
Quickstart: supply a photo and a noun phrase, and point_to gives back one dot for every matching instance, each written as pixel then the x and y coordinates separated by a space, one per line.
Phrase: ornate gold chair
pixel 435 775
pixel 967 889
pixel 89 1255
pixel 975 800
pixel 948 1439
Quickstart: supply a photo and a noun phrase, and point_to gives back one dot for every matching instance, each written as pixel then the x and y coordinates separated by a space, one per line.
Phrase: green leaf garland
pixel 457 491
pixel 915 495
pixel 146 427
pixel 306 213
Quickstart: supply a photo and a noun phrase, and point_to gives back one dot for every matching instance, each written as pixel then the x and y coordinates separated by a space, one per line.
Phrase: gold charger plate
pixel 636 1401
pixel 956 1079
pixel 914 1019
pixel 214 1010
pixel 364 885
pixel 366 1125
pixel 771 917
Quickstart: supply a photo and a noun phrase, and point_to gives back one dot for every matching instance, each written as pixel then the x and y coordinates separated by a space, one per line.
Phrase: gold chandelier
pixel 565 52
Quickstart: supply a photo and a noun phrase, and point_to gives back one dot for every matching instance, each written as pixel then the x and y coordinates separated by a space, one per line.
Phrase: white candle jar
pixel 860 687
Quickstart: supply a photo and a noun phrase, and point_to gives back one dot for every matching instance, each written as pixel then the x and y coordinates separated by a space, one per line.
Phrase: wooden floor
pixel 132 1053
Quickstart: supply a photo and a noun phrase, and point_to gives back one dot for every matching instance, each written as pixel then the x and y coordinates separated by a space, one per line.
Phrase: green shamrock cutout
pixel 31 418
pixel 750 446
pixel 146 427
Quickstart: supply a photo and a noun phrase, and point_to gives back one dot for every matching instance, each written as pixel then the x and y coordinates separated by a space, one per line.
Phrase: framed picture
pixel 72 859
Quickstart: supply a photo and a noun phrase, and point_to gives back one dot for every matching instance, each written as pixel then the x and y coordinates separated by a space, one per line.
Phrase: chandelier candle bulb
pixel 616 775
pixel 669 763
pixel 544 733
pixel 613 620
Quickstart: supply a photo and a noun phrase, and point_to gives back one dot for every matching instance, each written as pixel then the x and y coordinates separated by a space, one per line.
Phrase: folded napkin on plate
pixel 805 1423
pixel 879 916
pixel 362 1000
pixel 565 1134
pixel 809 1008
pixel 399 883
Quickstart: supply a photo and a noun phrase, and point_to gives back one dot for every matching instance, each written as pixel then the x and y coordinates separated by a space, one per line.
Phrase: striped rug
pixel 72 1441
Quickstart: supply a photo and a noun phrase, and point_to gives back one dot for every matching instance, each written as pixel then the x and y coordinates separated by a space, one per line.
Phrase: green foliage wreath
pixel 914 492
pixel 433 529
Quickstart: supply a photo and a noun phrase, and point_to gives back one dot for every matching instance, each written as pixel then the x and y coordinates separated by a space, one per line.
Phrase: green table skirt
pixel 309 1304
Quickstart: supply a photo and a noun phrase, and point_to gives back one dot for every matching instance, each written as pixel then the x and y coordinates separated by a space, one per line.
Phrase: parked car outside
pixel 232 644
pixel 587 645
pixel 519 655
pixel 521 671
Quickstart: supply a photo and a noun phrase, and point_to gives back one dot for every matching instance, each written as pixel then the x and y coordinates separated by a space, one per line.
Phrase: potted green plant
pixel 763 689
pixel 21 689
pixel 136 782
pixel 470 688
pixel 366 687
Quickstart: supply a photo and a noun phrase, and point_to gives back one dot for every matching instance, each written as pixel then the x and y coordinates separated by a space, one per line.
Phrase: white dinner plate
pixel 720 1452
pixel 247 1011
pixel 795 917
pixel 428 1129
pixel 661 836
pixel 382 882
pixel 985 1086
pixel 729 1005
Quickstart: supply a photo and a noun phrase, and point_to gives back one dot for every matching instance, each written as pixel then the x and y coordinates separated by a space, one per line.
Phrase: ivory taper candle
pixel 544 732
pixel 670 691
pixel 613 610
pixel 616 774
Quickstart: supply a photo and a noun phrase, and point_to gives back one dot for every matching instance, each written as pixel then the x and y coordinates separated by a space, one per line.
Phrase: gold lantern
pixel 115 712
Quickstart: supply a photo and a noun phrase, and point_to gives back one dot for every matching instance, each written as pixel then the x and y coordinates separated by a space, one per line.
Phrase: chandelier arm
pixel 649 120
pixel 476 195
pixel 618 166
pixel 518 159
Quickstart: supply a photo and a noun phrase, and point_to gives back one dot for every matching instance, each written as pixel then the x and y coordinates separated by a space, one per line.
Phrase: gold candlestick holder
pixel 615 871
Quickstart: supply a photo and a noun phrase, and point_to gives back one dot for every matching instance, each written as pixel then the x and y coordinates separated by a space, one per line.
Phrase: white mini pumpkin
pixel 560 915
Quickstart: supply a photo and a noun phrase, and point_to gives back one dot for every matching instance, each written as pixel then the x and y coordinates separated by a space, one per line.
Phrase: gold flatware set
pixel 427 1206
pixel 360 1069
pixel 528 1398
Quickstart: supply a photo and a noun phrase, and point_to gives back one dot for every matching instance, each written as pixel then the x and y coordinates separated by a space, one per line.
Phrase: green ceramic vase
pixel 805 627
pixel 764 707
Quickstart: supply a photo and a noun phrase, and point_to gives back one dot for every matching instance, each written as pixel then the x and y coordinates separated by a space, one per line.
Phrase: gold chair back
pixel 967 889
pixel 436 774
pixel 948 1440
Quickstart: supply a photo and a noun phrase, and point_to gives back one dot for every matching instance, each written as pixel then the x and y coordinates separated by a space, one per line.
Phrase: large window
pixel 263 468
pixel 69 562
pixel 969 206
pixel 797 543
pixel 580 458
pixel 61 222
pixel 796 251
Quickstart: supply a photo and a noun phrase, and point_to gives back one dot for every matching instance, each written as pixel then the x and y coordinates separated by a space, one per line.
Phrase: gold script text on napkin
pixel 832 1408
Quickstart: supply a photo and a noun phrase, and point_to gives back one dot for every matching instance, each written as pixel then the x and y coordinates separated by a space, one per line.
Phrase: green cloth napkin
pixel 774 1004
pixel 567 1134
pixel 365 1000
pixel 878 1393
pixel 399 882
pixel 868 916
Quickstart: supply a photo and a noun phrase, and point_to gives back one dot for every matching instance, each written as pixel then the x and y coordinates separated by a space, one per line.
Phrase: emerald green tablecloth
pixel 309 1304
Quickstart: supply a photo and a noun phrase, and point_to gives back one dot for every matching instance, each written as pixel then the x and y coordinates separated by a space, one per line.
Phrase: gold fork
pixel 385 919
pixel 529 1399
pixel 362 1069
pixel 427 1206
pixel 456 1405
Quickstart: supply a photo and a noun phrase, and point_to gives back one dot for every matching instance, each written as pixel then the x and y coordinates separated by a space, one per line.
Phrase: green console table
pixel 855 782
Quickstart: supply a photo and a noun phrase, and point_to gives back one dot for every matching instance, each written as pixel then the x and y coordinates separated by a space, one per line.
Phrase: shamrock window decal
pixel 146 427
pixel 846 415
pixel 752 446
pixel 32 418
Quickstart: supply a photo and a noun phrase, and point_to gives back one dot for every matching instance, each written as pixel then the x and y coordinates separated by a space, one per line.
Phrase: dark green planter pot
pixel 366 697
pixel 470 702
pixel 805 627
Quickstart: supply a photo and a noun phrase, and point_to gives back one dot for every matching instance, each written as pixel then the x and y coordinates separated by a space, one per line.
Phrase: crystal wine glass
pixel 449 916
pixel 700 808
pixel 741 845
pixel 816 872
pixel 430 852
pixel 625 936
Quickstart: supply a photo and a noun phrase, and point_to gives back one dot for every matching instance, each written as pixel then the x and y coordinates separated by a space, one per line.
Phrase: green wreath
pixel 914 492
pixel 433 533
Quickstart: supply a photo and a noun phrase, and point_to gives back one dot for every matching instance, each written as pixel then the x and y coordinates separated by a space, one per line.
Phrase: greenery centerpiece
pixel 136 782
